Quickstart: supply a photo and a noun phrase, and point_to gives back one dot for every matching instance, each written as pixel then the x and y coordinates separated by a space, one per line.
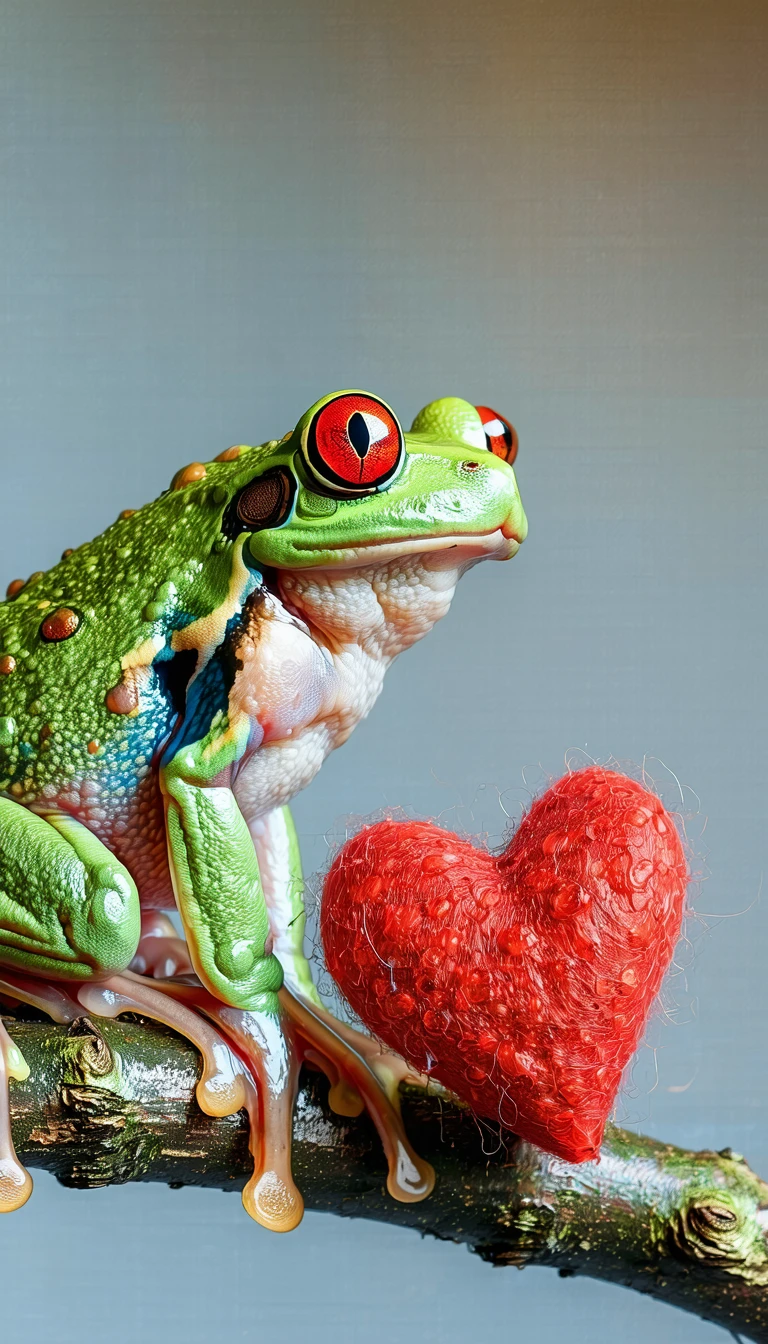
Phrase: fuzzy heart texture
pixel 522 980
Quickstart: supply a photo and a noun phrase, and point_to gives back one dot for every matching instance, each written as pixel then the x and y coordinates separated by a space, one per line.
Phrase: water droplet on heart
pixel 369 889
pixel 439 862
pixel 476 986
pixel 568 900
pixel 511 940
pixel 636 816
pixel 450 940
pixel 487 1043
pixel 515 1062
pixel 489 899
pixel 475 1075
pixel 641 872
pixel 439 907
pixel 435 1022
pixel 542 878
pixel 558 841
pixel 400 1005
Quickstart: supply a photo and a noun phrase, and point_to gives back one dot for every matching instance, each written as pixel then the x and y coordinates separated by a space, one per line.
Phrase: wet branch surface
pixel 113 1101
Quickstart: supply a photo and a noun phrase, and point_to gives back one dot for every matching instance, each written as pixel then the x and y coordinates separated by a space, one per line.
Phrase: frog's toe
pixel 265 1084
pixel 161 953
pixel 221 1089
pixel 353 1076
pixel 266 1041
pixel 390 1069
pixel 15 1180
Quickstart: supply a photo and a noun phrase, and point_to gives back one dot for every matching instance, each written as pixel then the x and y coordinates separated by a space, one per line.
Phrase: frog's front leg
pixel 362 1072
pixel 219 895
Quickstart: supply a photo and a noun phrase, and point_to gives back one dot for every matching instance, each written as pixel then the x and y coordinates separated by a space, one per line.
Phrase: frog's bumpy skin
pixel 166 689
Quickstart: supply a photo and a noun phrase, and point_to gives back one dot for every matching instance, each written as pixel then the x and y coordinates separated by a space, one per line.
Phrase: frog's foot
pixel 348 1058
pixel 15 1180
pixel 251 1063
pixel 161 953
pixel 390 1069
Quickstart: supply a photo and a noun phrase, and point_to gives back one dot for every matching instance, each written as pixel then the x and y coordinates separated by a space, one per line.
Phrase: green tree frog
pixel 166 689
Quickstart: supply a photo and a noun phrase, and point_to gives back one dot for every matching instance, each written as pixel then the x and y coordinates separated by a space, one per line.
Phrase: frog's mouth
pixel 459 548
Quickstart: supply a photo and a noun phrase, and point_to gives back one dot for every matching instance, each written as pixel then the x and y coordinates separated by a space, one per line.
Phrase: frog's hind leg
pixel 68 911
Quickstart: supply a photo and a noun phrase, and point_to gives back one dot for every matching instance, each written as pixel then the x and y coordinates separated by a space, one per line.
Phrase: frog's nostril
pixel 470 466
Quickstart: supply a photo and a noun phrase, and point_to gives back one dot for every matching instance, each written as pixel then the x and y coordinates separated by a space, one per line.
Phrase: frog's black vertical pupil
pixel 358 434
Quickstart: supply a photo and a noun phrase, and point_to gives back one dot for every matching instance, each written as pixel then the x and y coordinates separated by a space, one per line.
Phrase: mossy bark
pixel 109 1102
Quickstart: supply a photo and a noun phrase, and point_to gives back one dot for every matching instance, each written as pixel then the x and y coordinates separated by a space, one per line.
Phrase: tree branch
pixel 114 1101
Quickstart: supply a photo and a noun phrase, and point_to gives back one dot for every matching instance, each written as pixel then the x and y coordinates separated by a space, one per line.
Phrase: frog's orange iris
pixel 354 445
pixel 500 435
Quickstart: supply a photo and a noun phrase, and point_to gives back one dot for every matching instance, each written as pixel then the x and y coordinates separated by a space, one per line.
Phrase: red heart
pixel 521 981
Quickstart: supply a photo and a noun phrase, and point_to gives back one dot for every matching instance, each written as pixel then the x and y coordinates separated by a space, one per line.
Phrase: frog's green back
pixel 76 640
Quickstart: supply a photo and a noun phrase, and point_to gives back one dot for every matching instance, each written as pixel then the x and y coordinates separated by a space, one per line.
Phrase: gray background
pixel 214 212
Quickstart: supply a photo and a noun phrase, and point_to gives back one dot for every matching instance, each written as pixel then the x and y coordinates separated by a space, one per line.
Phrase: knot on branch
pixel 91 1057
pixel 718 1230
pixel 99 1134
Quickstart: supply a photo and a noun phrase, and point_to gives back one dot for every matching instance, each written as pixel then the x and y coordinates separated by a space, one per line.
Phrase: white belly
pixel 306 701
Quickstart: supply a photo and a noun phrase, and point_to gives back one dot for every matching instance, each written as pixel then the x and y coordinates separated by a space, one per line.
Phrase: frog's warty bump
pixel 14 587
pixel 7 664
pixel 7 731
pixel 124 697
pixel 188 475
pixel 60 624
pixel 230 454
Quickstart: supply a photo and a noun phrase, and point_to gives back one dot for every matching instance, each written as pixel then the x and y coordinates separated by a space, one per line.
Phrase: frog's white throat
pixel 380 608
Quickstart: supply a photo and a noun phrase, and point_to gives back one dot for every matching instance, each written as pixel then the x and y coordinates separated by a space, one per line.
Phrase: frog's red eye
pixel 500 436
pixel 353 445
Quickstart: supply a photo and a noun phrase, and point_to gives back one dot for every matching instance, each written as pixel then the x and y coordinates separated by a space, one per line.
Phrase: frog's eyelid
pixel 266 502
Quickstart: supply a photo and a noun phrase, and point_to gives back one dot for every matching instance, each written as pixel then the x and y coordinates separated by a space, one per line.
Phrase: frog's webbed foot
pixel 390 1069
pixel 161 952
pixel 250 1063
pixel 250 1060
pixel 363 1076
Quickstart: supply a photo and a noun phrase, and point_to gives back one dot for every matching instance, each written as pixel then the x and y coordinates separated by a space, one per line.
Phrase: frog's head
pixel 347 489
